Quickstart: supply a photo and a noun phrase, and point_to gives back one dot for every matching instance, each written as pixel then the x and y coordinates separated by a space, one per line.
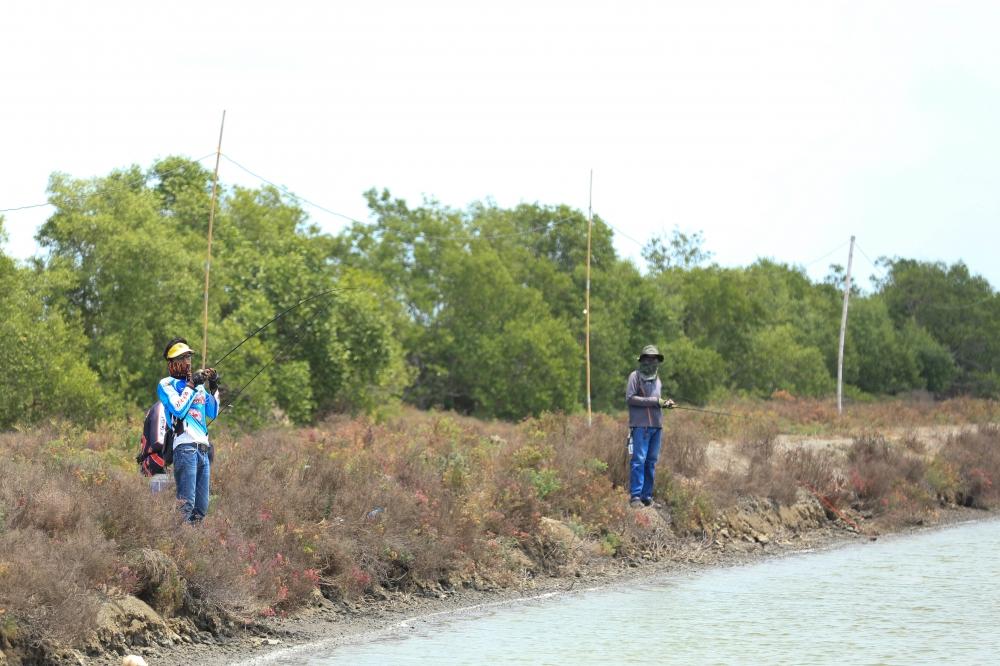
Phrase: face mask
pixel 648 369
pixel 178 369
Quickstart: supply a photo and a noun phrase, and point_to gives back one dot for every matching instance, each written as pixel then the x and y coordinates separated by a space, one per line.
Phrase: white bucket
pixel 158 482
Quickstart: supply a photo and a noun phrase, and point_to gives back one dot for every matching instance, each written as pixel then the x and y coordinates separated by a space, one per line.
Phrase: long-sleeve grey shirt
pixel 643 400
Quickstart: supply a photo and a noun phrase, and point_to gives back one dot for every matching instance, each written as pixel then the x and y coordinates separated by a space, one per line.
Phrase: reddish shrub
pixel 47 584
pixel 420 500
pixel 879 472
pixel 974 455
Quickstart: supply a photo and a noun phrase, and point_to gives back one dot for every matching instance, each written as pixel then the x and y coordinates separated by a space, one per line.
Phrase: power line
pixel 524 232
pixel 869 259
pixel 467 238
pixel 289 192
pixel 105 191
pixel 349 218
pixel 9 210
pixel 455 237
pixel 804 265
pixel 623 234
pixel 819 259
pixel 930 305
pixel 881 272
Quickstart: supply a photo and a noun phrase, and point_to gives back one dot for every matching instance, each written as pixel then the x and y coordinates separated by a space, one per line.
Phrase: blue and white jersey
pixel 193 405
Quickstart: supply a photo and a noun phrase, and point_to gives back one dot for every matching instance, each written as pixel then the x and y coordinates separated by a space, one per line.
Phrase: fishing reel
pixel 207 376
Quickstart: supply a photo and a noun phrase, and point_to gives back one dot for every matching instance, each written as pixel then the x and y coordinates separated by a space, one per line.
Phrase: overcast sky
pixel 778 129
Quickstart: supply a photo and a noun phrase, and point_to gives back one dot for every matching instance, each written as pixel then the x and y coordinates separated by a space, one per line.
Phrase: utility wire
pixel 929 305
pixel 9 210
pixel 105 191
pixel 805 265
pixel 472 237
pixel 624 235
pixel 869 259
pixel 456 237
pixel 529 230
pixel 819 259
pixel 291 194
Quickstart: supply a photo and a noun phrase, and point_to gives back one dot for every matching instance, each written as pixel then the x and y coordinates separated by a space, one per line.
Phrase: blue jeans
pixel 191 474
pixel 645 453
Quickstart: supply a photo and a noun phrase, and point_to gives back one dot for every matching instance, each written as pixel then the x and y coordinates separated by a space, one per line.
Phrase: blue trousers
pixel 191 475
pixel 645 453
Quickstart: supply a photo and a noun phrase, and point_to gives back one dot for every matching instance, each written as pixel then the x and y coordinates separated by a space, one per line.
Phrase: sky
pixel 776 129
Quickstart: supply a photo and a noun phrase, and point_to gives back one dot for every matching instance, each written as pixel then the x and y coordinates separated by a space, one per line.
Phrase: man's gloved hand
pixel 211 379
pixel 198 377
pixel 667 403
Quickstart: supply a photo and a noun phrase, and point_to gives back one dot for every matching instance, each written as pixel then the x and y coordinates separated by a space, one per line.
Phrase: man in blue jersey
pixel 645 422
pixel 189 401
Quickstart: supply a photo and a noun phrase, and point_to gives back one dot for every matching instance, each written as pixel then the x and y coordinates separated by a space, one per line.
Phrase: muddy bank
pixel 753 530
pixel 540 511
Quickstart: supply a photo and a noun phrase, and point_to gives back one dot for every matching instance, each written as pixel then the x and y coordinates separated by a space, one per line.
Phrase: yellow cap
pixel 178 350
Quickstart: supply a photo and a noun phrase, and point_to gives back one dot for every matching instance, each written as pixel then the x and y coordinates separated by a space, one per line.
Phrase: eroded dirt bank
pixel 567 527
pixel 754 530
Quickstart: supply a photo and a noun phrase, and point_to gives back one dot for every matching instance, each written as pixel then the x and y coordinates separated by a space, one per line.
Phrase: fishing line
pixel 711 411
pixel 706 411
pixel 239 393
pixel 281 314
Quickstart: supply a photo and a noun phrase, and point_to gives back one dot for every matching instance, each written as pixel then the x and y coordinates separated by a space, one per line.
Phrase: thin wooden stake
pixel 843 332
pixel 208 257
pixel 590 227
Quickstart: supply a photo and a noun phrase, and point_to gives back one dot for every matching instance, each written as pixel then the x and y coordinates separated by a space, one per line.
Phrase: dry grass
pixel 686 448
pixel 887 478
pixel 967 469
pixel 819 416
pixel 421 501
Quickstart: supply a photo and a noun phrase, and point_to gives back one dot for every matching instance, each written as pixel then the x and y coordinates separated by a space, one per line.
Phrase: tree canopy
pixel 479 310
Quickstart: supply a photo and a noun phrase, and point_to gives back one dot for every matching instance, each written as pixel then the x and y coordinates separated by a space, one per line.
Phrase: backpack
pixel 156 447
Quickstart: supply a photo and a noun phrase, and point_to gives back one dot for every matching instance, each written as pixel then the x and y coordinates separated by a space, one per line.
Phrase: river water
pixel 926 598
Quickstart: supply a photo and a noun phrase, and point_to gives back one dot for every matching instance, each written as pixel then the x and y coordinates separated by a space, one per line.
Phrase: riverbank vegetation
pixel 414 424
pixel 425 501
pixel 478 310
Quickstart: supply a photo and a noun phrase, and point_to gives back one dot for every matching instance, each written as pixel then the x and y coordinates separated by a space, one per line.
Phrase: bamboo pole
pixel 843 332
pixel 590 228
pixel 208 256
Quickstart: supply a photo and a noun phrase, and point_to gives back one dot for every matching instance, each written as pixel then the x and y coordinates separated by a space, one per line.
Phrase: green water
pixel 928 598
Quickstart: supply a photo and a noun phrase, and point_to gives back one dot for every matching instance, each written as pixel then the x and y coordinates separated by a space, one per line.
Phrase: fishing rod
pixel 704 411
pixel 711 411
pixel 278 316
pixel 239 392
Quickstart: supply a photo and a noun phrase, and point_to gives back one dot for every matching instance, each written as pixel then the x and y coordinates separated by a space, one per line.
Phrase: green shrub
pixel 692 373
pixel 776 361
pixel 545 481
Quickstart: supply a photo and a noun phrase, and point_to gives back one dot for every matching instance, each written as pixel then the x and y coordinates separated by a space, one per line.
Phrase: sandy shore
pixel 325 625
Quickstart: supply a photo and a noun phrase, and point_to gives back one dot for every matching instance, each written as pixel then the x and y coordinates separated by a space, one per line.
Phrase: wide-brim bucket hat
pixel 650 350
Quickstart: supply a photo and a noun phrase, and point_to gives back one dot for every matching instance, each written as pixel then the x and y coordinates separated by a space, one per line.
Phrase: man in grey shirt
pixel 645 422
